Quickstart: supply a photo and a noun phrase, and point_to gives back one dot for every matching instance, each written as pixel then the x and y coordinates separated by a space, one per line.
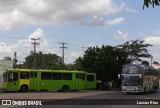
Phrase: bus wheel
pixel 65 88
pixel 155 89
pixel 144 92
pixel 128 93
pixel 24 88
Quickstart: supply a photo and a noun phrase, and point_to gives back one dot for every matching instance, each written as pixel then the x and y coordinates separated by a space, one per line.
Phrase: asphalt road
pixel 105 99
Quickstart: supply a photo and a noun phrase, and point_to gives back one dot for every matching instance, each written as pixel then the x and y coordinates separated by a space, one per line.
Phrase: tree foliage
pixel 151 2
pixel 135 50
pixel 43 61
pixel 107 61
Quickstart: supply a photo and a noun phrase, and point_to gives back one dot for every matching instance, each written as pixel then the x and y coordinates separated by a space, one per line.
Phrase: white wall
pixel 4 65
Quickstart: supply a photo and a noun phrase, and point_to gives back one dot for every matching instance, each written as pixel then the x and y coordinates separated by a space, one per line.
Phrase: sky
pixel 79 23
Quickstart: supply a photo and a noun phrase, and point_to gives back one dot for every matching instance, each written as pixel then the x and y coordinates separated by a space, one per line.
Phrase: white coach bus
pixel 139 78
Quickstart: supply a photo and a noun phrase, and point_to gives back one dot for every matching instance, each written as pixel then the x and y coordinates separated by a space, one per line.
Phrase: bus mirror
pixel 140 76
pixel 119 75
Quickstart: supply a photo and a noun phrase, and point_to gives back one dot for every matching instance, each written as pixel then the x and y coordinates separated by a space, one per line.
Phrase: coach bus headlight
pixel 119 76
pixel 137 88
pixel 140 76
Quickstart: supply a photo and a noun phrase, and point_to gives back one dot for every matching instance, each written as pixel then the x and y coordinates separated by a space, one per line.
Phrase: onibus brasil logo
pixel 21 102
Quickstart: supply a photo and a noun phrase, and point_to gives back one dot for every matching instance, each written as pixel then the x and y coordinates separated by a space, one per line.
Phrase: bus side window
pixel 46 75
pixel 33 74
pixel 57 76
pixel 90 77
pixel 77 76
pixel 67 76
pixel 24 75
pixel 83 76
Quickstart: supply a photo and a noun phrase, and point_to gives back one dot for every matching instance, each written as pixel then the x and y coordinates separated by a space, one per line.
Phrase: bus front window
pixel 131 70
pixel 13 76
pixel 4 76
pixel 131 80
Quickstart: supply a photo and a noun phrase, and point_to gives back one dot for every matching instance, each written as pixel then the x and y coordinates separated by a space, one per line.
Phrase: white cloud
pixel 72 56
pixel 28 12
pixel 130 10
pixel 97 21
pixel 121 35
pixel 24 46
pixel 153 40
pixel 115 21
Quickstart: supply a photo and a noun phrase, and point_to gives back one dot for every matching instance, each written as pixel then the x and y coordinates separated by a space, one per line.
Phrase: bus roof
pixel 41 70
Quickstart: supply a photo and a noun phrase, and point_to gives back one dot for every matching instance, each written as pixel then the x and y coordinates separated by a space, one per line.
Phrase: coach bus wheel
pixel 155 89
pixel 128 93
pixel 145 91
pixel 65 88
pixel 24 88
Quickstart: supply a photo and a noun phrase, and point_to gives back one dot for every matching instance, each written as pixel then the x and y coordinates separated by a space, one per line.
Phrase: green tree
pixel 135 50
pixel 151 2
pixel 43 61
pixel 70 67
pixel 107 61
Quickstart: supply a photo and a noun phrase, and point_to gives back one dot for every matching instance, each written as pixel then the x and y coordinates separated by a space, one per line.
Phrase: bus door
pixel 80 80
pixel 33 80
pixel 13 82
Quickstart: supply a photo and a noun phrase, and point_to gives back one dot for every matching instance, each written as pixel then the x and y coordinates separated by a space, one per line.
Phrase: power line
pixel 13 37
pixel 12 2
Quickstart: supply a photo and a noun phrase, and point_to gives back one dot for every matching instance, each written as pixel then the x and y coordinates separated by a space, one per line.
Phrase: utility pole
pixel 63 53
pixel 151 59
pixel 15 60
pixel 35 43
pixel 83 50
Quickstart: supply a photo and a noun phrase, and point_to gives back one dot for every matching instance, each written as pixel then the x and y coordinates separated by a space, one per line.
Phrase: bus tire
pixel 155 89
pixel 65 88
pixel 24 88
pixel 127 93
pixel 144 92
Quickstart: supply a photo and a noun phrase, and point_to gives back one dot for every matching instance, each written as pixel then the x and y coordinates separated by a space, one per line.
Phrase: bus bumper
pixel 131 89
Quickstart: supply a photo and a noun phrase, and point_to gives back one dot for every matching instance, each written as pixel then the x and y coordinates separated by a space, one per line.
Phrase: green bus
pixel 60 80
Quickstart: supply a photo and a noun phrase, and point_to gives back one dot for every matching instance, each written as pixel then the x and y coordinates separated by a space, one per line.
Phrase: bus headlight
pixel 137 88
pixel 140 76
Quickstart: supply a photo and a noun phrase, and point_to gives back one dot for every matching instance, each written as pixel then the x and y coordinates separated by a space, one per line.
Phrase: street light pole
pixel 35 43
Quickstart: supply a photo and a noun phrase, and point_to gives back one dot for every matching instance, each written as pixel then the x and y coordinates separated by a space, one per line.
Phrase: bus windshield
pixel 131 70
pixel 4 76
pixel 130 80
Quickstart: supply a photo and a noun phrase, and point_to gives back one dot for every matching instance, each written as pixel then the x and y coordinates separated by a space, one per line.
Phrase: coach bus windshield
pixel 131 70
pixel 128 80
